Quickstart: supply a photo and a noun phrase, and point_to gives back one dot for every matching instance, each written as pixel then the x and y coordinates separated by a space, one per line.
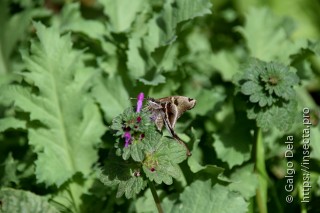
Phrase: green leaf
pixel 268 82
pixel 167 61
pixel 111 94
pixel 161 31
pixel 10 171
pixel 13 200
pixel 71 19
pixel 140 129
pixel 234 146
pixel 136 63
pixel 70 121
pixel 207 100
pixel 146 204
pixel 270 89
pixel 13 30
pixel 124 174
pixel 70 195
pixel 11 122
pixel 267 36
pixel 248 87
pixel 283 117
pixel 194 160
pixel 134 150
pixel 162 27
pixel 245 181
pixel 204 60
pixel 227 63
pixel 160 155
pixel 154 81
pixel 122 13
pixel 303 65
pixel 314 134
pixel 303 17
pixel 200 197
pixel 162 158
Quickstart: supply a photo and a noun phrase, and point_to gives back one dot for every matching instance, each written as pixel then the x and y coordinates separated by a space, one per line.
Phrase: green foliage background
pixel 67 68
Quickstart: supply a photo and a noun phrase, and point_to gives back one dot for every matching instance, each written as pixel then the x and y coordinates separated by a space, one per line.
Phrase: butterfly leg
pixel 175 136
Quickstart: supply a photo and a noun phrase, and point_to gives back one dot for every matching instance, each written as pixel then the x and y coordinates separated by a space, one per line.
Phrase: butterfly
pixel 166 111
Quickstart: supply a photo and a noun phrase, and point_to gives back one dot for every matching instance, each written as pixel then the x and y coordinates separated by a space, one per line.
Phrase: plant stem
pixel 260 169
pixel 155 196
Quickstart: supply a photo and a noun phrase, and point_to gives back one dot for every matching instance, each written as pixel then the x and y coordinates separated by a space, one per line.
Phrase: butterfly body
pixel 166 111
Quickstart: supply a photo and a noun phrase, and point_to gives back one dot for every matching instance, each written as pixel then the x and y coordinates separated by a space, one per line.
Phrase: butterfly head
pixel 154 104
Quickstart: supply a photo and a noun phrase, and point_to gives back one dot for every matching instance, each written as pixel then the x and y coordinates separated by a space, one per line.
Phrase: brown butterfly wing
pixel 178 105
pixel 166 111
pixel 171 112
pixel 171 115
pixel 157 112
pixel 159 120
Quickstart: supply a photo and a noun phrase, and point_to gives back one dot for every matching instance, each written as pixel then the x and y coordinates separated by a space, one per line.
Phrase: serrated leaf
pixel 136 64
pixel 207 100
pixel 204 60
pixel 134 150
pixel 154 80
pixel 134 130
pixel 194 160
pixel 11 122
pixel 121 13
pixel 250 86
pixel 71 123
pixel 10 171
pixel 282 117
pixel 130 187
pixel 13 29
pixel 270 89
pixel 112 96
pixel 69 197
pixel 228 153
pixel 167 58
pixel 161 31
pixel 71 19
pixel 162 27
pixel 13 200
pixel 161 164
pixel 267 36
pixel 146 204
pixel 245 181
pixel 201 197
pixel 124 174
pixel 234 147
pixel 227 63
pixel 137 152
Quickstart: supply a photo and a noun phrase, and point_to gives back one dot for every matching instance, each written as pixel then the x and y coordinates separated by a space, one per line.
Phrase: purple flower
pixel 127 137
pixel 140 100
